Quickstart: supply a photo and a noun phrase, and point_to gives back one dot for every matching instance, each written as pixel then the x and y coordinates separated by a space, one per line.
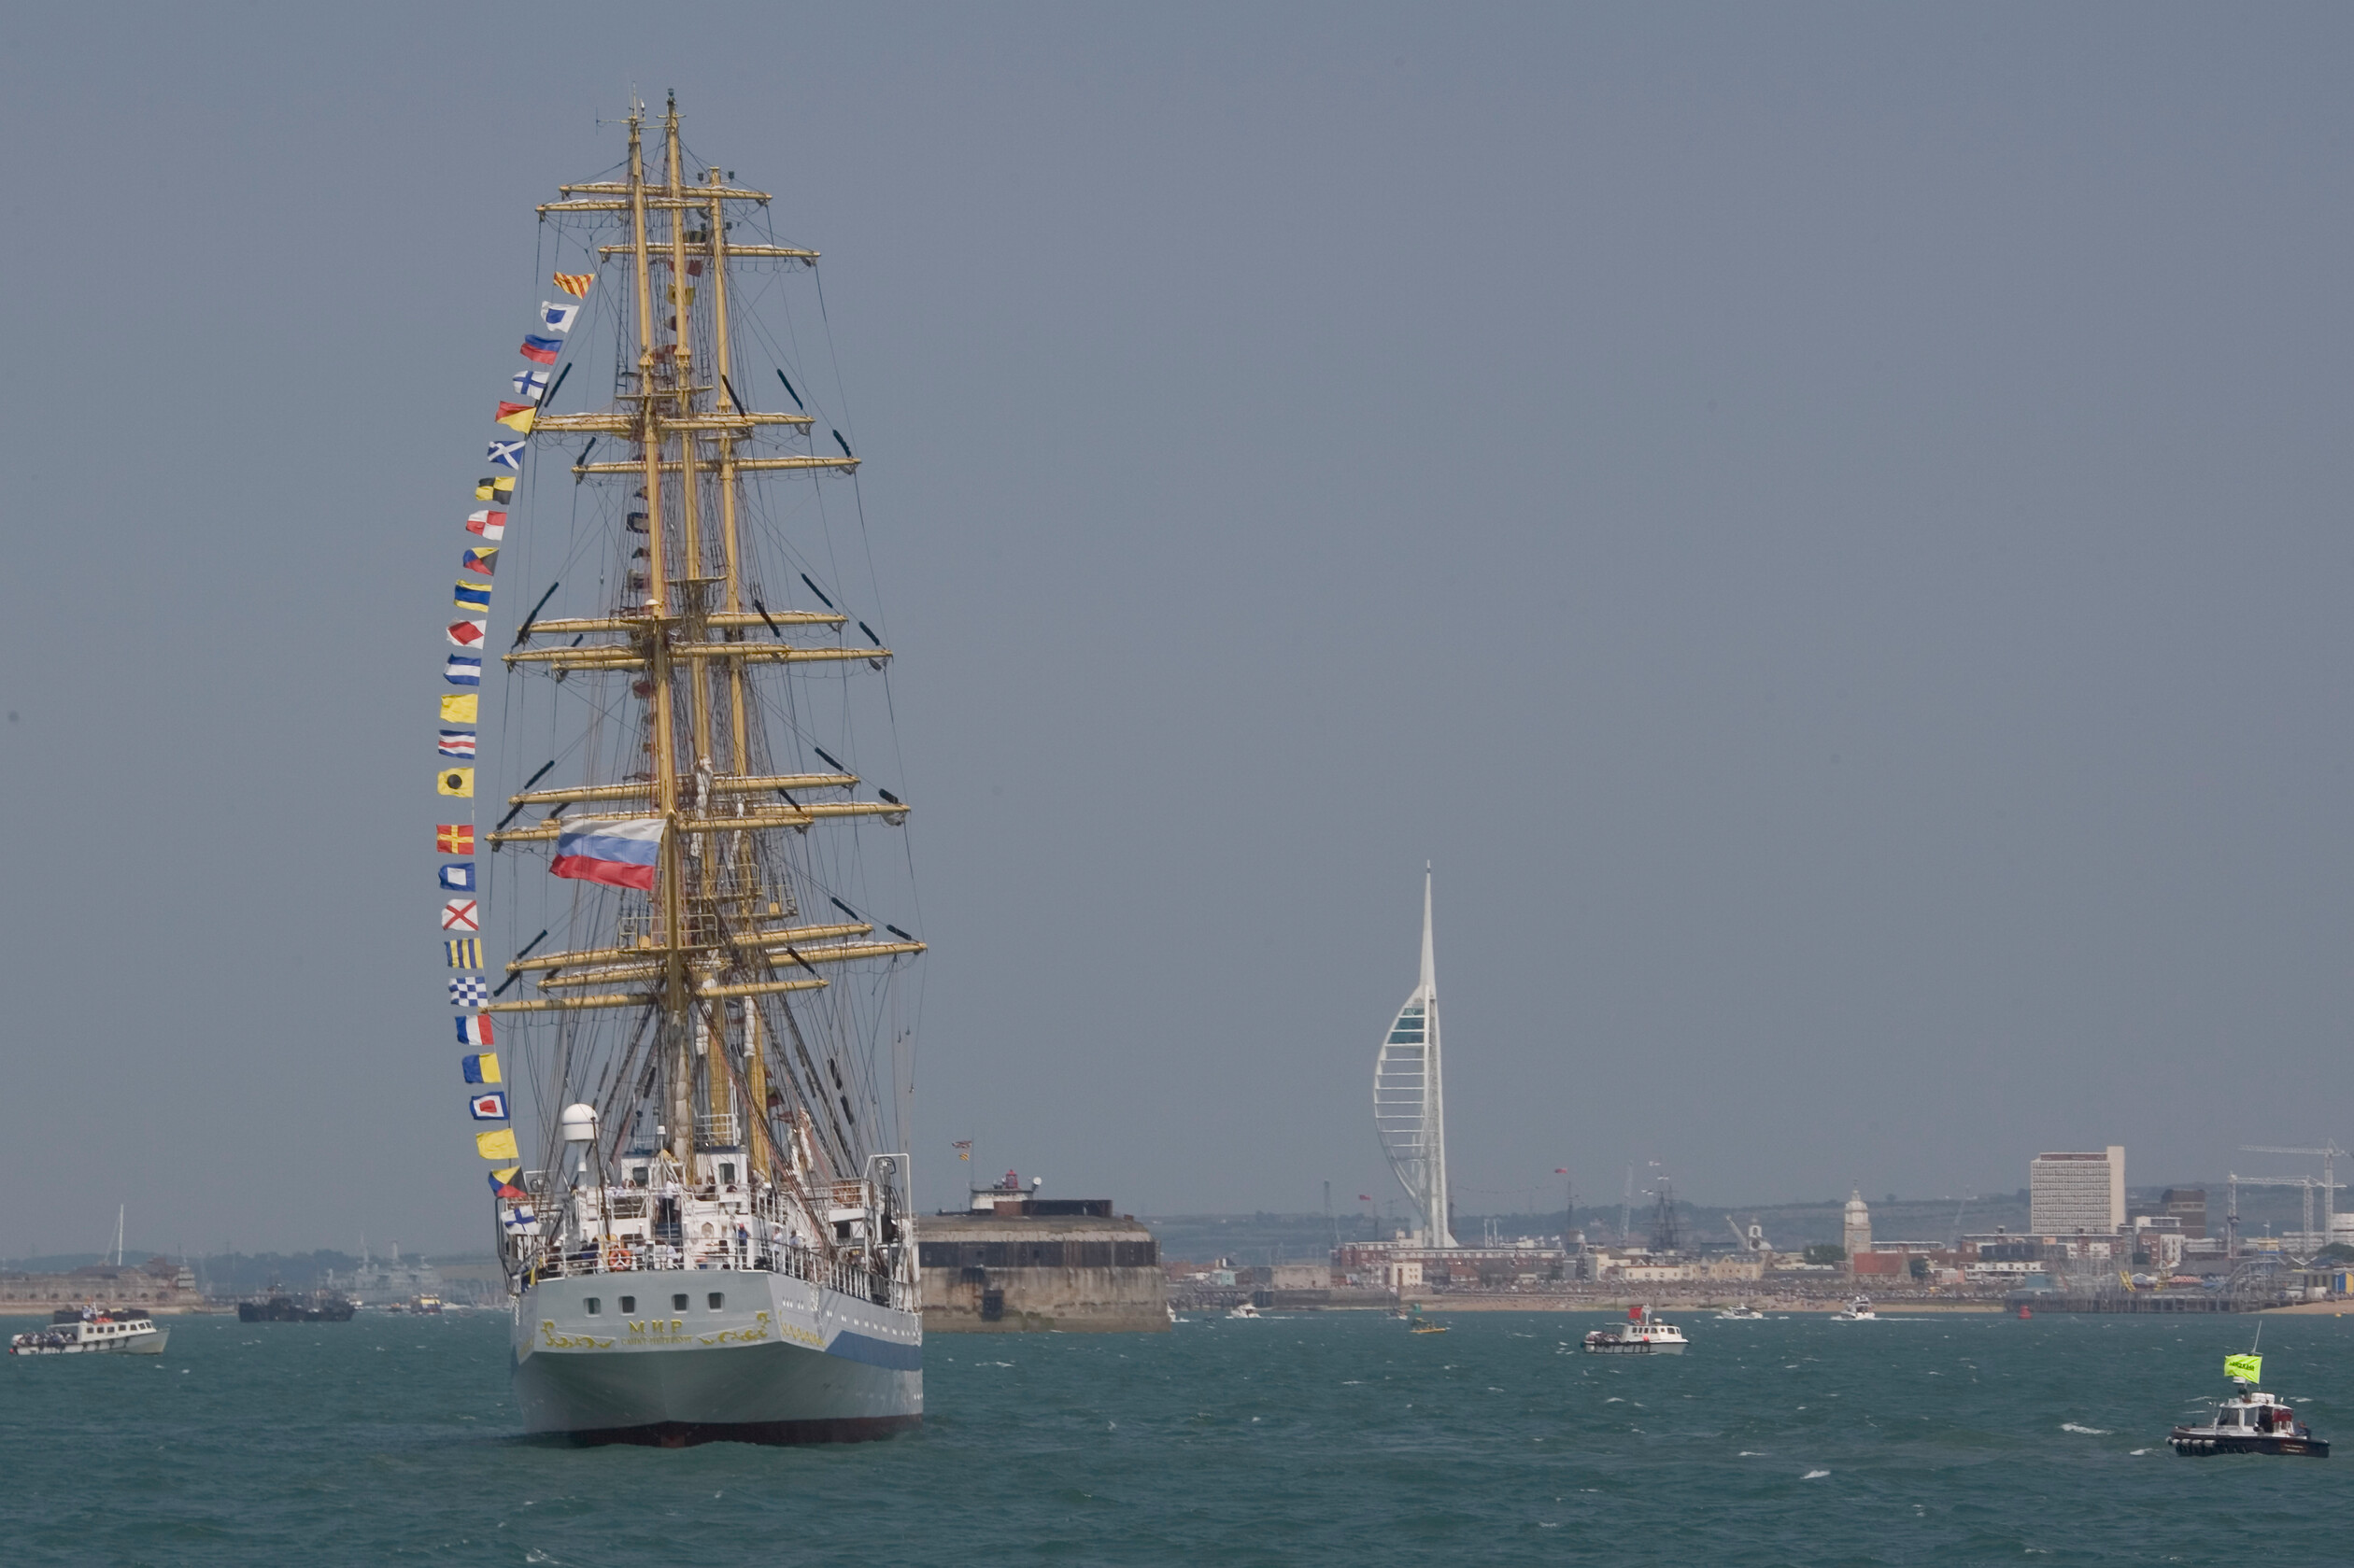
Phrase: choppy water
pixel 1335 1438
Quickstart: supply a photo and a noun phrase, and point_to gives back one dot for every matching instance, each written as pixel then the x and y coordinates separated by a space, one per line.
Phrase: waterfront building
pixel 1013 1260
pixel 1410 1102
pixel 1855 1225
pixel 2068 1194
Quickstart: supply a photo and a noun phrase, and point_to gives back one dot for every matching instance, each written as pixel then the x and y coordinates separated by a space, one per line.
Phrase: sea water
pixel 1338 1439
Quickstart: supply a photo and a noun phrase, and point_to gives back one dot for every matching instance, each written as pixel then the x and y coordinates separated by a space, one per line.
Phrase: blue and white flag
pixel 558 318
pixel 506 454
pixel 520 1220
pixel 459 877
pixel 530 386
pixel 463 670
pixel 457 742
pixel 488 1107
pixel 469 991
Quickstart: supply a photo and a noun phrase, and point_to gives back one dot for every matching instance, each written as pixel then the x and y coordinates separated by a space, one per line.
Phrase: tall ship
pixel 699 1189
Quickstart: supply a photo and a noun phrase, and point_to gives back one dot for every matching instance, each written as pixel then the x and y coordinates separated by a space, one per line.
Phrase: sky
pixel 1824 525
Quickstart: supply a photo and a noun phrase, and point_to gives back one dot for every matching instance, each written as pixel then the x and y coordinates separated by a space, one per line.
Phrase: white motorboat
pixel 1856 1311
pixel 1741 1313
pixel 1643 1334
pixel 1243 1309
pixel 88 1329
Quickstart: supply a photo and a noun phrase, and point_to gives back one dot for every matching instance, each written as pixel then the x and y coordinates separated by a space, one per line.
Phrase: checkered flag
pixel 469 991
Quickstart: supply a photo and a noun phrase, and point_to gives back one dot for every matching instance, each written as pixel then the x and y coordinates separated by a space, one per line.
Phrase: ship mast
pixel 708 954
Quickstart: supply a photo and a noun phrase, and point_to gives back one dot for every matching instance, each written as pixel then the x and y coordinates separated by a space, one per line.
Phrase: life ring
pixel 616 1258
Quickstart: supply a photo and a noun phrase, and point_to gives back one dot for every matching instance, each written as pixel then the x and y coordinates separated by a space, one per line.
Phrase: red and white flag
pixel 490 525
pixel 467 634
pixel 461 914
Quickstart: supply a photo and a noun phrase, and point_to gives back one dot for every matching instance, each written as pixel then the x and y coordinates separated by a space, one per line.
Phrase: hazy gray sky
pixel 1826 524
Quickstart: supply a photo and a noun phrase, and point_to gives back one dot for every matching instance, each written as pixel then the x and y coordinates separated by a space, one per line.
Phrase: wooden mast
pixel 723 927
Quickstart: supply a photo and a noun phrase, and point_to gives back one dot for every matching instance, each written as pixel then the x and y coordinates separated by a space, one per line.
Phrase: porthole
pixel 717 1301
pixel 592 1305
pixel 678 1302
pixel 629 1305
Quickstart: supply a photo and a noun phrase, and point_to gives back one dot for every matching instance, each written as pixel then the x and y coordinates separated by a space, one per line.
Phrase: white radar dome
pixel 579 1124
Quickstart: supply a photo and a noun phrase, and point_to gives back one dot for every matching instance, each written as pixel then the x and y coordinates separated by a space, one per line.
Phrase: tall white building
pixel 1410 1103
pixel 2078 1191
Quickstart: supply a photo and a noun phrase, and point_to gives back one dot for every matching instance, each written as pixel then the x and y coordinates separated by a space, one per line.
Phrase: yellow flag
pixel 461 710
pixel 515 417
pixel 488 1066
pixel 2249 1367
pixel 574 283
pixel 455 781
pixel 498 1145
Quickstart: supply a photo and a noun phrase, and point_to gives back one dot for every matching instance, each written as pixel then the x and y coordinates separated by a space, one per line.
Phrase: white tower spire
pixel 1409 1097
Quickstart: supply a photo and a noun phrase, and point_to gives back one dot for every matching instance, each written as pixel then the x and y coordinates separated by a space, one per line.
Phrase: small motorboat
pixel 1740 1312
pixel 2249 1423
pixel 1856 1311
pixel 82 1331
pixel 1643 1334
pixel 1428 1328
pixel 1243 1309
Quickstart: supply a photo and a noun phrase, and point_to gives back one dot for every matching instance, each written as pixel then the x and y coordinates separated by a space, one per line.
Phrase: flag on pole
pixel 470 596
pixel 457 743
pixel 618 853
pixel 469 991
pixel 506 454
pixel 514 416
pixel 498 489
pixel 574 283
pixel 502 1182
pixel 459 708
pixel 488 1107
pixel 964 1149
pixel 480 559
pixel 542 351
pixel 461 914
pixel 529 385
pixel 467 634
pixel 498 1145
pixel 465 953
pixel 558 318
pixel 458 876
pixel 474 1030
pixel 480 1069
pixel 463 670
pixel 490 525
pixel 455 781
pixel 2249 1367
pixel 453 837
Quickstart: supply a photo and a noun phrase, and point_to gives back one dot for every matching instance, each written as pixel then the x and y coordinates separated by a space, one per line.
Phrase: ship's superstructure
pixel 708 1240
pixel 1410 1103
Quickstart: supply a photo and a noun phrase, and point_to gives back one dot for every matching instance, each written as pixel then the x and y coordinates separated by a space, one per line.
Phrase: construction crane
pixel 2307 1182
pixel 2327 1156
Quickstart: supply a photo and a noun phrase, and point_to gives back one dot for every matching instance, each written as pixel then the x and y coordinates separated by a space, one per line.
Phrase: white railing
pixel 848 1276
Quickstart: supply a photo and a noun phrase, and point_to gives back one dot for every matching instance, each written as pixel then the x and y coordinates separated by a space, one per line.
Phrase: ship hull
pixel 2201 1441
pixel 776 1360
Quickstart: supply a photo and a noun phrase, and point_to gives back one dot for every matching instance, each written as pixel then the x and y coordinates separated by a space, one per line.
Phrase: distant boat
pixel 1428 1328
pixel 1856 1311
pixel 1243 1309
pixel 1741 1313
pixel 320 1307
pixel 2249 1423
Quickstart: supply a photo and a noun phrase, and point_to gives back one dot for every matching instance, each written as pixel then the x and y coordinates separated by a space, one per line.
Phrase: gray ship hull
pixel 749 1357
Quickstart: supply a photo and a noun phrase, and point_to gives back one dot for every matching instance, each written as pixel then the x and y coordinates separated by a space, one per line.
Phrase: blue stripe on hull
pixel 876 1353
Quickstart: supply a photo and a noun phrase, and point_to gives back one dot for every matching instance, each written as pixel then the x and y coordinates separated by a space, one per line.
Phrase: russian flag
pixel 618 853
pixel 474 1030
pixel 542 351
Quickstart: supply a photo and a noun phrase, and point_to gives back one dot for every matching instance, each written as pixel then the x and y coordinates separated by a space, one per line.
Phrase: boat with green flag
pixel 2250 1421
